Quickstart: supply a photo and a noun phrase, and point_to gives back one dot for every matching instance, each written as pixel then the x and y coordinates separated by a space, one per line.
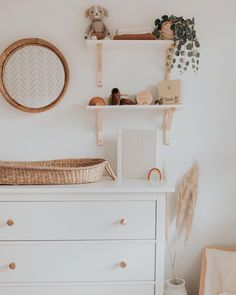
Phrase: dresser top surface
pixel 106 185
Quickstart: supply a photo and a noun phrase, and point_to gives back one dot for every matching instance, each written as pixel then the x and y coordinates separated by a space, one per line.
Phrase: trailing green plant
pixel 185 50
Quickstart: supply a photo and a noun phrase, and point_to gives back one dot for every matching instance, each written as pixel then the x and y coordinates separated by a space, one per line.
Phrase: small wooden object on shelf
pixel 169 92
pixel 155 170
pixel 97 101
pixel 115 96
pixel 127 101
pixel 144 97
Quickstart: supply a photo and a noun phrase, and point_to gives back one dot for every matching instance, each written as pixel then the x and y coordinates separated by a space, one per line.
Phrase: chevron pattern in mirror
pixel 34 76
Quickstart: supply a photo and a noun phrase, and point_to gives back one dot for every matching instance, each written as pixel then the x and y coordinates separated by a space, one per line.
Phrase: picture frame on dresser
pixel 139 147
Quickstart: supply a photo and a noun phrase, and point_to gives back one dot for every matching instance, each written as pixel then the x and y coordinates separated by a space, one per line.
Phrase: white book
pixel 137 152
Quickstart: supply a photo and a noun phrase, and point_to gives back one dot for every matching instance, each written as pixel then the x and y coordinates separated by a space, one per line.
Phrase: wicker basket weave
pixel 65 171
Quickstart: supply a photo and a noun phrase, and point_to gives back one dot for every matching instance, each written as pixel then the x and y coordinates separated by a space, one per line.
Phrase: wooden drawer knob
pixel 10 222
pixel 123 264
pixel 123 221
pixel 12 266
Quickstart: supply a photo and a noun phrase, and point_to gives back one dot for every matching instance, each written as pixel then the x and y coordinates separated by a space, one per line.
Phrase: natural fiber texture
pixel 10 51
pixel 186 202
pixel 187 196
pixel 65 171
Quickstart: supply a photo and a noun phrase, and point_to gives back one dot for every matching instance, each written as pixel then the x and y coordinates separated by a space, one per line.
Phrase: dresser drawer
pixel 77 220
pixel 118 289
pixel 76 261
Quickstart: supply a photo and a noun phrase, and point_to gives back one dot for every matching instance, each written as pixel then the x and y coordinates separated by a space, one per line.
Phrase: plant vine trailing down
pixel 185 50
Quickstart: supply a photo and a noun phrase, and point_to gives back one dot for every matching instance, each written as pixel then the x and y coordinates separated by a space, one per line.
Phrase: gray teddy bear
pixel 97 29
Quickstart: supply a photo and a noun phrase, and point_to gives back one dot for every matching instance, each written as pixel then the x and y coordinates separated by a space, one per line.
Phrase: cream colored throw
pixel 221 272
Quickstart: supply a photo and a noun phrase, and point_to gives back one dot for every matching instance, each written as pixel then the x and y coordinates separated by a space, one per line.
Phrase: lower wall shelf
pixel 167 112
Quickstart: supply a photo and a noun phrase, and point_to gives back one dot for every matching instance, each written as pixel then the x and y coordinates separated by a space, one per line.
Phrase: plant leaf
pixel 197 44
pixel 165 17
pixel 157 22
pixel 189 46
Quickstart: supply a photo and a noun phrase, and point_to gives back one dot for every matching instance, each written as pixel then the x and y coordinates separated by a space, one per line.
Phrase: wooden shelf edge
pixel 126 43
pixel 137 107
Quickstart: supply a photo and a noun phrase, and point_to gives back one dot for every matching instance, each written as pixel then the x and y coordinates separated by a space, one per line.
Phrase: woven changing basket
pixel 65 171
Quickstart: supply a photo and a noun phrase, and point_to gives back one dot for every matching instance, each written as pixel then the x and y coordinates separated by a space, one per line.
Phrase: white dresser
pixel 105 238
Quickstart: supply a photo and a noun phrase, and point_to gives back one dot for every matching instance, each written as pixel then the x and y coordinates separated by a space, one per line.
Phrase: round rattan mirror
pixel 34 75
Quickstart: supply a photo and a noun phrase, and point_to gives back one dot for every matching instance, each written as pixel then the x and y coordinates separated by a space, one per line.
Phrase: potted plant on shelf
pixel 186 201
pixel 185 49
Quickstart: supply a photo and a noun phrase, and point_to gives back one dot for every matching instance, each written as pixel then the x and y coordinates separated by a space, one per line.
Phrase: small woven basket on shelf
pixel 65 171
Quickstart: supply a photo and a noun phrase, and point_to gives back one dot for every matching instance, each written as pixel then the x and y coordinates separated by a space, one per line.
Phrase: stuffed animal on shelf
pixel 97 29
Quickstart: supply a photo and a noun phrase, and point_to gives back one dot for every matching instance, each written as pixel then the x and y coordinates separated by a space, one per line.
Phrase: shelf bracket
pixel 168 114
pixel 99 127
pixel 99 65
pixel 167 121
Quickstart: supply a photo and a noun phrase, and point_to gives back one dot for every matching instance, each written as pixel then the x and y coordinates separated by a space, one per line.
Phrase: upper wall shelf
pixel 137 44
pixel 99 45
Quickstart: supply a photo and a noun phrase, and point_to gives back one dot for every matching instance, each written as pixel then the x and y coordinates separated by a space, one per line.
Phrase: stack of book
pixel 138 33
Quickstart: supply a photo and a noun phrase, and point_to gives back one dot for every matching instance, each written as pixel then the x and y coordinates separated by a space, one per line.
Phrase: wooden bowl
pixel 97 101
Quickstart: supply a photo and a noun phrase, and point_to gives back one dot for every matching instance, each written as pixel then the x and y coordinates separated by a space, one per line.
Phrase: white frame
pixel 120 152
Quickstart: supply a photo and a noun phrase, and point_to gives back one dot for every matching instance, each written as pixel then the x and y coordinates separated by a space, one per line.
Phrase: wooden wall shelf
pixel 167 111
pixel 137 107
pixel 124 44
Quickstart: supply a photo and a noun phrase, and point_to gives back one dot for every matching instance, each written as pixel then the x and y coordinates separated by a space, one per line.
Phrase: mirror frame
pixel 10 50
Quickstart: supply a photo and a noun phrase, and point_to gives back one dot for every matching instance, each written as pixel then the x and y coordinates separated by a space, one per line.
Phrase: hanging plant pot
pixel 166 32
pixel 184 53
pixel 175 287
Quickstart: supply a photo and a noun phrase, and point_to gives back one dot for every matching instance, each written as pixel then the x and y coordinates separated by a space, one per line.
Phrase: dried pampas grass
pixel 187 196
pixel 187 192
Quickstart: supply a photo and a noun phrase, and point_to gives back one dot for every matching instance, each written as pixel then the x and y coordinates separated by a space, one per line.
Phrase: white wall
pixel 205 131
